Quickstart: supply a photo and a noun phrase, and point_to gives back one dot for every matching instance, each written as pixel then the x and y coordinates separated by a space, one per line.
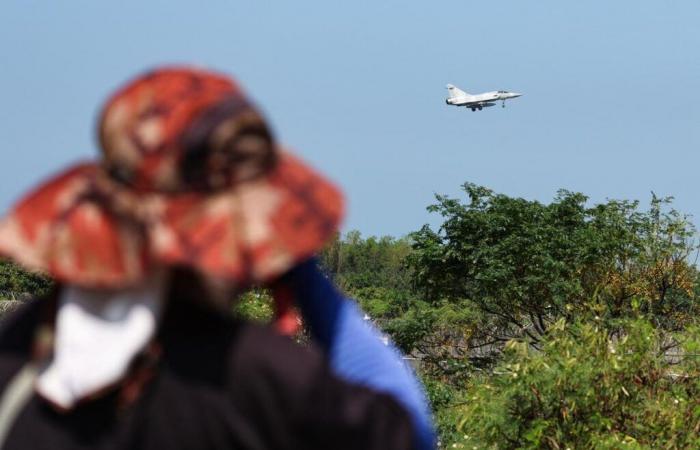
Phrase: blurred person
pixel 191 203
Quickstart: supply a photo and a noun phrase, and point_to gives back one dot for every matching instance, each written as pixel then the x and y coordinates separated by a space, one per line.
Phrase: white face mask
pixel 98 333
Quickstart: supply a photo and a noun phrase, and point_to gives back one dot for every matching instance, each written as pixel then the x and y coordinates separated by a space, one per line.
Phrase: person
pixel 191 203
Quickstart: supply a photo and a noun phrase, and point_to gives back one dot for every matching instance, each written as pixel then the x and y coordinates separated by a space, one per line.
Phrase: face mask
pixel 98 333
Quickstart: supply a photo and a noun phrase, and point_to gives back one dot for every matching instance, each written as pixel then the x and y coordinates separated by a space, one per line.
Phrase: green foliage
pixel 525 264
pixel 357 263
pixel 374 272
pixel 255 305
pixel 587 389
pixel 445 400
pixel 17 283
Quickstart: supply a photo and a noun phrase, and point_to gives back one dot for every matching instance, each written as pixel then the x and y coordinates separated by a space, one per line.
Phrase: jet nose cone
pixel 515 94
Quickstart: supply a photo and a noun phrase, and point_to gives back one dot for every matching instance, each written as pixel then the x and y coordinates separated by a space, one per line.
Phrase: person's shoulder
pixel 280 382
pixel 261 349
pixel 208 344
pixel 17 330
pixel 17 327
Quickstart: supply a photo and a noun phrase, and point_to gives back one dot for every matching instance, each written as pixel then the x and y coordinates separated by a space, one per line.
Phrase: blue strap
pixel 354 347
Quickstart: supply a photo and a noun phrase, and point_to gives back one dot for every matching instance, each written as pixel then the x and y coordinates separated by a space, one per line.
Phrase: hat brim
pixel 251 233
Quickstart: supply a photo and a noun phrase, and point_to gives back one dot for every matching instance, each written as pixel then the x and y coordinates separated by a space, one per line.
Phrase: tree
pixel 358 263
pixel 524 264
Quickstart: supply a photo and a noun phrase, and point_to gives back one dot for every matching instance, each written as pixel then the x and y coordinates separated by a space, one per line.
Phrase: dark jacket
pixel 218 383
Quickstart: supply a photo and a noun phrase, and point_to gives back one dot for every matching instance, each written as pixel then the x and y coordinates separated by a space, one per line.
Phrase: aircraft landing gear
pixel 503 104
pixel 473 109
pixel 480 108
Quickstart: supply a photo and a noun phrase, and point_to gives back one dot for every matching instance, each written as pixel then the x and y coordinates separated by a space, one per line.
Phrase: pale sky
pixel 611 103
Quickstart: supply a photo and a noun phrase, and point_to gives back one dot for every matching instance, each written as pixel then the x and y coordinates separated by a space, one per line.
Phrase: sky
pixel 611 103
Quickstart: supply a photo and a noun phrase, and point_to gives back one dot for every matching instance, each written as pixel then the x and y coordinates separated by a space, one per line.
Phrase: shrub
pixel 255 305
pixel 587 388
pixel 16 283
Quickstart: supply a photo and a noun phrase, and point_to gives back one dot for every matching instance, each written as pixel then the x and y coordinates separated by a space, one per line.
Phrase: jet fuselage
pixel 477 101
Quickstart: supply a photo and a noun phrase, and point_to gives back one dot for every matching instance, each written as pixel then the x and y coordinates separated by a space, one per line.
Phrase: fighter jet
pixel 478 101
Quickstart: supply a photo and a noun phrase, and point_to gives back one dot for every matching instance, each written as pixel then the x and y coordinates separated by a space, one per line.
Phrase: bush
pixel 255 305
pixel 589 389
pixel 16 283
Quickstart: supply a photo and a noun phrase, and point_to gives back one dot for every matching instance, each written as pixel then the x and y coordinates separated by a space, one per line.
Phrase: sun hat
pixel 189 174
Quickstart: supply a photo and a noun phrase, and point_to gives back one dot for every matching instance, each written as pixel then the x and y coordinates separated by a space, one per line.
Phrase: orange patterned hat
pixel 190 175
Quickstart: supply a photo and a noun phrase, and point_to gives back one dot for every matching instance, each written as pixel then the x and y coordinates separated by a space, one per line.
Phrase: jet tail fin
pixel 455 91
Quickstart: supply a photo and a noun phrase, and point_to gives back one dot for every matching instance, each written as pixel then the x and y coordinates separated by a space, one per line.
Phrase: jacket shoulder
pixel 17 328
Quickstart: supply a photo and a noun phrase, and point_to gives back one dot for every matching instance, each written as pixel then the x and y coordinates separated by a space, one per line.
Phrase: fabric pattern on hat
pixel 75 230
pixel 189 175
pixel 142 126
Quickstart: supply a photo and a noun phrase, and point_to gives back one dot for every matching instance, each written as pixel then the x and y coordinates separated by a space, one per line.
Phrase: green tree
pixel 356 263
pixel 523 264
